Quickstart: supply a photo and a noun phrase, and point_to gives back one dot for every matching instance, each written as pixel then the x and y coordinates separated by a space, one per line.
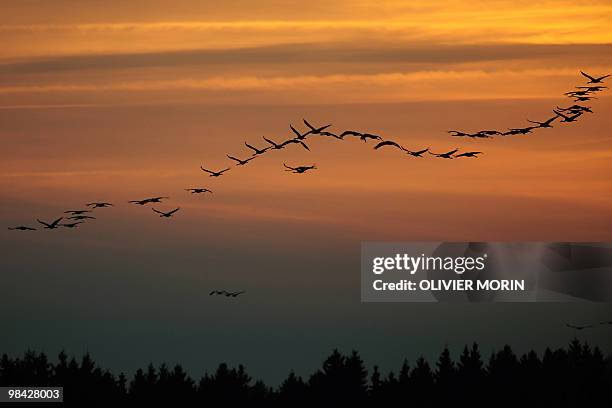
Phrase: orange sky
pixel 119 102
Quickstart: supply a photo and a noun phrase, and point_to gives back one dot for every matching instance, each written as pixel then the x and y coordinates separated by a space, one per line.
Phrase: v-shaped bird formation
pixel 565 115
pixel 75 218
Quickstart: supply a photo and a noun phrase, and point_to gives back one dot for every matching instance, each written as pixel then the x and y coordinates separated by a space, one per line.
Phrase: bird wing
pixel 54 223
pixel 251 147
pixel 223 171
pixel 269 141
pixel 295 131
pixel 159 212
pixel 304 145
pixel 291 168
pixel 233 158
pixel 308 124
pixel 208 171
pixel 587 75
pixel 43 223
pixel 387 143
pixel 603 77
pixel 173 211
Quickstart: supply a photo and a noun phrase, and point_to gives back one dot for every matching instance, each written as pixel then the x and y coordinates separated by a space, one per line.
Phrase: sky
pixel 116 101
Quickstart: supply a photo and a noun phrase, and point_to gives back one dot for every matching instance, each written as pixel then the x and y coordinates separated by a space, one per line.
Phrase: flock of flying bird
pixel 568 114
pixel 74 218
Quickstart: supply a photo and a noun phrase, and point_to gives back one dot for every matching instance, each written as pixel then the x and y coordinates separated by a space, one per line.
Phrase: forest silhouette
pixel 569 376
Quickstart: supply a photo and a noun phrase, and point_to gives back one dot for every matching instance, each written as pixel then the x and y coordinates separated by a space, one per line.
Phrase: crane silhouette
pixel 51 225
pixel 240 162
pixel 299 169
pixel 214 173
pixel 99 205
pixel 198 190
pixel 256 150
pixel 166 214
pixel 418 153
pixel 594 80
pixel 388 143
pixel 469 154
pixel 447 155
pixel 148 200
pixel 22 228
pixel 314 130
pixel 546 123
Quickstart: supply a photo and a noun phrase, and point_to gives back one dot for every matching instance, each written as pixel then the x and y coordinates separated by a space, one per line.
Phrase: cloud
pixel 373 53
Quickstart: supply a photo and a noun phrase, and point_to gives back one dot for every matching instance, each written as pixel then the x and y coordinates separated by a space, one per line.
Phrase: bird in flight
pixel 214 173
pixel 297 141
pixel 22 228
pixel 520 131
pixel 226 293
pixel 314 130
pixel 256 150
pixel 486 133
pixel 388 143
pixel 349 133
pixel 593 88
pixel 100 205
pixel 571 326
pixel 575 109
pixel 330 134
pixel 545 124
pixel 366 136
pixel 81 217
pixel 594 80
pixel 52 225
pixel 447 155
pixel 240 162
pixel 76 212
pixel 148 200
pixel 458 133
pixel 166 214
pixel 298 135
pixel 71 225
pixel 299 169
pixel 577 93
pixel 469 154
pixel 584 98
pixel 198 190
pixel 418 153
pixel 275 145
pixel 568 119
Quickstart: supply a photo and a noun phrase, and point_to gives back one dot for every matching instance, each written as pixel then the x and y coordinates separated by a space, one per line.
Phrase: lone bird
pixel 256 150
pixel 594 80
pixel 99 205
pixel 299 169
pixel 76 212
pixel 198 190
pixel 240 162
pixel 388 143
pixel 148 200
pixel 314 130
pixel 22 228
pixel 72 224
pixel 469 154
pixel 166 214
pixel 545 124
pixel 447 155
pixel 571 326
pixel 52 225
pixel 214 173
pixel 418 153
pixel 81 217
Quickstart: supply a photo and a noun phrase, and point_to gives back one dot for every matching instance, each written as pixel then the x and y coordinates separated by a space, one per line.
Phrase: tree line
pixel 574 375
